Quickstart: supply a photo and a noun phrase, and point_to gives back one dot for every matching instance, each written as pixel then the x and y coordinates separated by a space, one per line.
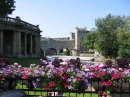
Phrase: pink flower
pixel 103 83
pixel 108 83
pixel 101 73
pixel 24 76
pixel 116 75
pixel 85 68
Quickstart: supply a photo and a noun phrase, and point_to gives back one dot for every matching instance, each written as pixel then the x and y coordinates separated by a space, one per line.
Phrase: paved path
pixel 72 57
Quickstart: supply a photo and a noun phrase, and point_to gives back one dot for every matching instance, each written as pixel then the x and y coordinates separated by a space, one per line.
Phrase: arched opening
pixel 51 51
pixel 64 51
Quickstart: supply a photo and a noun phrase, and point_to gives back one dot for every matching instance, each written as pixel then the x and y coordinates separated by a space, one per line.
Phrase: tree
pixel 6 7
pixel 107 34
pixel 90 40
pixel 123 37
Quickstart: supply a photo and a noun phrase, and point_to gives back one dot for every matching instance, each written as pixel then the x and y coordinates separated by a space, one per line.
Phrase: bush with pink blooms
pixel 68 75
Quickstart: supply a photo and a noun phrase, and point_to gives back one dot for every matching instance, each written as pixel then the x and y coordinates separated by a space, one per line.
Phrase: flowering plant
pixel 62 75
pixel 68 75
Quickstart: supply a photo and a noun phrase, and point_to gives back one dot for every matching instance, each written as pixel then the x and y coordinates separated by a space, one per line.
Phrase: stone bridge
pixel 55 46
pixel 73 44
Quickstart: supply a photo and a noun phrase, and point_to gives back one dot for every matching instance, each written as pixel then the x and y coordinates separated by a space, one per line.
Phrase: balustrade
pixel 18 22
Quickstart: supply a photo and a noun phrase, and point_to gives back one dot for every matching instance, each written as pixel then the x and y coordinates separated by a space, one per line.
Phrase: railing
pixel 17 21
pixel 28 86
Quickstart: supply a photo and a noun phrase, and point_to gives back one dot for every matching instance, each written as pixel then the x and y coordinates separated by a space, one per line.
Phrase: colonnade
pixel 18 43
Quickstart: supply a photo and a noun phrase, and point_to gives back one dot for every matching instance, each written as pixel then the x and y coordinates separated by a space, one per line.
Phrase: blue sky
pixel 57 18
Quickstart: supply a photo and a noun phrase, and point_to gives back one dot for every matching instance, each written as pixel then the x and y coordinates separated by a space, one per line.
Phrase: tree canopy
pixel 6 7
pixel 90 39
pixel 113 36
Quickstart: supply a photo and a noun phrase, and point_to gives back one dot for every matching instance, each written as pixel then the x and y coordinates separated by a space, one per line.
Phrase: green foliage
pixel 124 50
pixel 111 38
pixel 107 42
pixel 123 37
pixel 65 52
pixel 90 40
pixel 6 7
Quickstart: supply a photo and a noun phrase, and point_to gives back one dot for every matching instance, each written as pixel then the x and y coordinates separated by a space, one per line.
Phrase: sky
pixel 57 18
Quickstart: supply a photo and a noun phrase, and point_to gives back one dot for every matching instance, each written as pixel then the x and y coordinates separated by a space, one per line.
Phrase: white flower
pixel 16 64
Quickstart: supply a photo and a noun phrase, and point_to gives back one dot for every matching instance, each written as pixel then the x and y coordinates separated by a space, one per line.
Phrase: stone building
pixel 19 38
pixel 79 36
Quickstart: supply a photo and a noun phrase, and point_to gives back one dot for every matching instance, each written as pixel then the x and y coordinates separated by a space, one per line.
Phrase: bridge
pixel 73 44
pixel 55 46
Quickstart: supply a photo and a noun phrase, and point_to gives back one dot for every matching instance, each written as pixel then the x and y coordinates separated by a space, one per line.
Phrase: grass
pixel 24 62
pixel 81 95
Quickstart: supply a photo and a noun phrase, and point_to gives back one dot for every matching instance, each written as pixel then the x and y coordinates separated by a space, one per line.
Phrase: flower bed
pixel 67 75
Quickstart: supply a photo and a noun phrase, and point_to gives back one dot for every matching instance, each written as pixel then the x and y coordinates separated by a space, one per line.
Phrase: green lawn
pixel 24 62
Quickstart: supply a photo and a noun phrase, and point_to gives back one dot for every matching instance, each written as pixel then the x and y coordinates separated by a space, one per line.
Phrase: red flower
pixel 52 84
pixel 66 84
pixel 108 83
pixel 64 77
pixel 47 88
pixel 77 78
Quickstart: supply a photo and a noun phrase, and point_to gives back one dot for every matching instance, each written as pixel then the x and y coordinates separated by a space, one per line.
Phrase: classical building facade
pixel 19 38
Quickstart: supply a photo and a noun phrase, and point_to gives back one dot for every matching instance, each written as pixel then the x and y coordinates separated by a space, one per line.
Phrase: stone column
pixel 58 52
pixel 1 42
pixel 77 43
pixel 33 45
pixel 30 44
pixel 37 48
pixel 15 43
pixel 25 44
pixel 19 43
